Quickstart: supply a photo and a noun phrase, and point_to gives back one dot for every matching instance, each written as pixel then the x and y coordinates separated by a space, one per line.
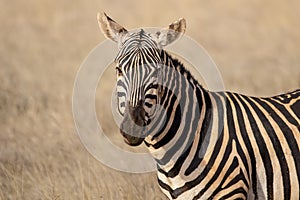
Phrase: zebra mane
pixel 179 66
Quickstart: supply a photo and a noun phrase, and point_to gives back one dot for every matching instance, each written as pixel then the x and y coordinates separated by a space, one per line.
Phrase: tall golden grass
pixel 256 45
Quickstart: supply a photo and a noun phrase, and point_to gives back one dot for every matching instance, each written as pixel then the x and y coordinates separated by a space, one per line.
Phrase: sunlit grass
pixel 256 45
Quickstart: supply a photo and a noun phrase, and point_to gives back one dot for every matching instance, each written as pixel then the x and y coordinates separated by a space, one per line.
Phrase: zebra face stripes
pixel 138 77
pixel 138 72
pixel 138 68
pixel 207 145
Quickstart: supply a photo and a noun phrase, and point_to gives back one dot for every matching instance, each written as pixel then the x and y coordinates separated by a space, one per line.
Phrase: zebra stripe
pixel 260 130
pixel 257 149
pixel 207 145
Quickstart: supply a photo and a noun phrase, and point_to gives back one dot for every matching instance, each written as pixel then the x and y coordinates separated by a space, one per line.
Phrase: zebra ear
pixel 172 33
pixel 111 29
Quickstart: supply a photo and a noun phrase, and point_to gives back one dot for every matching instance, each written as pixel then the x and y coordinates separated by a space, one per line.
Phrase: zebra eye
pixel 119 71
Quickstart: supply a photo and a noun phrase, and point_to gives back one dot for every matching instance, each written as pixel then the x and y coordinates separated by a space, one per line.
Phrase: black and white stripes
pixel 207 145
pixel 232 146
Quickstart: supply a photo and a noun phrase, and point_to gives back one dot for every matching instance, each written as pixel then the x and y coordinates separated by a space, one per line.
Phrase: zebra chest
pixel 201 191
pixel 206 182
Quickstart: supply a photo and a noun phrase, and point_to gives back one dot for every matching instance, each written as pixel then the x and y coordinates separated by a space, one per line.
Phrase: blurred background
pixel 256 45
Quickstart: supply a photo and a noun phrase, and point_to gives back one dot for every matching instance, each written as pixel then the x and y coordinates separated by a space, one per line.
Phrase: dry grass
pixel 256 45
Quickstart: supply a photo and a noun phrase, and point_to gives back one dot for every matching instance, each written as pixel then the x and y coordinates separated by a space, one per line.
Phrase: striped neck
pixel 185 108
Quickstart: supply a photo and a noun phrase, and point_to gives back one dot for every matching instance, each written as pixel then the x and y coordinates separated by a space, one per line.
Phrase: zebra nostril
pixel 137 113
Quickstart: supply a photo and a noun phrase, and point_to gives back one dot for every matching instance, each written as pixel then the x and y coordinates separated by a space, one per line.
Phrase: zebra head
pixel 138 64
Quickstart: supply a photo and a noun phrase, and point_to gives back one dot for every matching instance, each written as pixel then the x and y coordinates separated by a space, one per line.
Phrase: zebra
pixel 207 145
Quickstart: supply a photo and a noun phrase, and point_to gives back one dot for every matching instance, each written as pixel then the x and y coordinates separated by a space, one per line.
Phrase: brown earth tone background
pixel 256 45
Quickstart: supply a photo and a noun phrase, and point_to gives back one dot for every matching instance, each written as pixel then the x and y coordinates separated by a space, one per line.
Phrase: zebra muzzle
pixel 132 133
pixel 137 113
pixel 132 140
pixel 133 125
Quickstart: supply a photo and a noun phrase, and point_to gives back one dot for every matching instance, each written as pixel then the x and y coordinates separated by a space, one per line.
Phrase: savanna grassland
pixel 256 45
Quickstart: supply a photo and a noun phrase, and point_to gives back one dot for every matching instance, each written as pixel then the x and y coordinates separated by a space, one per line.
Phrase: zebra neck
pixel 185 107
